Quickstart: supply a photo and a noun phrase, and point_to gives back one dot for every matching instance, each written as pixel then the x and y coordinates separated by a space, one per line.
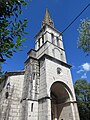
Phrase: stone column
pixel 48 109
pixel 59 43
pixel 37 45
pixel 55 41
pixel 76 111
pixel 40 42
pixel 56 112
pixel 73 111
pixel 47 37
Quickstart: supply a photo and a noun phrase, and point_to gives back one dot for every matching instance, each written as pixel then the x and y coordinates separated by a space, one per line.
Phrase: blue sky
pixel 62 12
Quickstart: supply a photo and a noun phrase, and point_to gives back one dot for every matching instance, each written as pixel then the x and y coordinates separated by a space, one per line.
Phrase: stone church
pixel 44 90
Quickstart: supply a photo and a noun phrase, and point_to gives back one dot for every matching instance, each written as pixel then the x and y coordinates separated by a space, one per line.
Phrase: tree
pixel 84 36
pixel 12 28
pixel 82 90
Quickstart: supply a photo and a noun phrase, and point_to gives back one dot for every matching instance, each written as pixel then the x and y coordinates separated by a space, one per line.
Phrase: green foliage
pixel 2 76
pixel 82 90
pixel 12 29
pixel 84 36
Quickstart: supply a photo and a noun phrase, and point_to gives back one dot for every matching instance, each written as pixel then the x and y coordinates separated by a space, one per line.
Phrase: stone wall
pixel 64 112
pixel 53 76
pixel 30 90
pixel 10 106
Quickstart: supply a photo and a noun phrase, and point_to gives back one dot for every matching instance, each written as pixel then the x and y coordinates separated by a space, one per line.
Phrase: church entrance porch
pixel 60 102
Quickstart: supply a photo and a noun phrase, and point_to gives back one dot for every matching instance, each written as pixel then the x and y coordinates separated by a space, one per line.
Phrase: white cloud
pixel 79 71
pixel 84 76
pixel 83 70
pixel 86 66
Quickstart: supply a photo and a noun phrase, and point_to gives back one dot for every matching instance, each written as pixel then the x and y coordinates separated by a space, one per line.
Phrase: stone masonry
pixel 44 90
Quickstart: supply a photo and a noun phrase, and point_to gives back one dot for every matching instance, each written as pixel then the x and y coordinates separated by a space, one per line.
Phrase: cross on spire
pixel 47 19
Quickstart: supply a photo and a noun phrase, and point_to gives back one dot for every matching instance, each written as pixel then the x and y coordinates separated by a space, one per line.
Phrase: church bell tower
pixel 48 88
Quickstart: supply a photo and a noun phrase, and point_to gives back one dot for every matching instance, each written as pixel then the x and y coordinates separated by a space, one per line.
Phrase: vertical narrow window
pixel 33 76
pixel 32 107
pixel 42 39
pixel 52 38
pixel 57 42
pixel 6 95
pixel 38 42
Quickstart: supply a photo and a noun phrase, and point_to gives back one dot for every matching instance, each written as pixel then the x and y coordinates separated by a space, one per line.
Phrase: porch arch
pixel 60 101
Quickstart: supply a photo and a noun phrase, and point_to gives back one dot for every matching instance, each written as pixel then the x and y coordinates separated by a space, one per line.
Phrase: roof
pixel 14 73
pixel 47 19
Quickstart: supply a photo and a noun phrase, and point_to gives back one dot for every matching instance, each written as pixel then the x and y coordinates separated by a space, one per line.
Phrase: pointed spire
pixel 47 19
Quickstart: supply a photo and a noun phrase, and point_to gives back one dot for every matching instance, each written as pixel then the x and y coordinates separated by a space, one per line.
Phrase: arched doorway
pixel 60 105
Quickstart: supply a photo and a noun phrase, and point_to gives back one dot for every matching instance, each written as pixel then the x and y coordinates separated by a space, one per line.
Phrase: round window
pixel 59 70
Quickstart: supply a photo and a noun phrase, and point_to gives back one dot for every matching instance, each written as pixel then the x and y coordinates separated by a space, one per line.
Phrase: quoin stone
pixel 44 90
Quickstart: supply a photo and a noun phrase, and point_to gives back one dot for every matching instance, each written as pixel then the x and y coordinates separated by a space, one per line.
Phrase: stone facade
pixel 44 90
pixel 10 96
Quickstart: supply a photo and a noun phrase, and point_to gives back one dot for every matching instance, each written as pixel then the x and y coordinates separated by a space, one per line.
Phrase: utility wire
pixel 76 18
pixel 69 25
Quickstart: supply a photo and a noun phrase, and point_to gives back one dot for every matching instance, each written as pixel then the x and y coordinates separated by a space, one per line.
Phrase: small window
pixel 58 70
pixel 32 107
